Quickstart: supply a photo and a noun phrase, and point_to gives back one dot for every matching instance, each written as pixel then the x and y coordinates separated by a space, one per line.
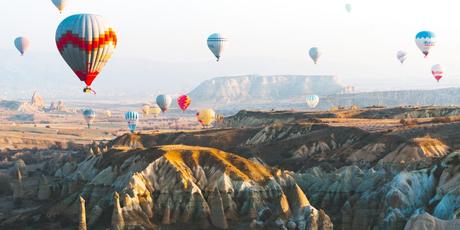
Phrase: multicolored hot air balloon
pixel 164 102
pixel 60 4
pixel 217 43
pixel 86 42
pixel 402 56
pixel 206 117
pixel 184 102
pixel 425 40
pixel 89 116
pixel 315 54
pixel 22 44
pixel 312 101
pixel 437 72
pixel 132 118
pixel 348 7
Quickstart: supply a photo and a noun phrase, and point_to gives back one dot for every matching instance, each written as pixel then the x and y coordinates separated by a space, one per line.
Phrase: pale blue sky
pixel 266 36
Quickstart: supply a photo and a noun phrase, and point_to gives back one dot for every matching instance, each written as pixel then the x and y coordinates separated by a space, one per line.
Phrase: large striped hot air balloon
pixel 206 117
pixel 132 118
pixel 217 43
pixel 184 102
pixel 164 102
pixel 22 44
pixel 86 42
pixel 89 116
pixel 60 4
pixel 312 101
pixel 425 40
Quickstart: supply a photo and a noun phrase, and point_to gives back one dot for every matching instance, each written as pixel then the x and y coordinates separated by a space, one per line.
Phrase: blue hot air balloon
pixel 89 116
pixel 425 40
pixel 132 118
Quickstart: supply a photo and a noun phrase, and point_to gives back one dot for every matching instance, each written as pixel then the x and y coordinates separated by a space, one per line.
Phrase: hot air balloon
pixel 315 54
pixel 184 102
pixel 425 40
pixel 164 101
pixel 217 43
pixel 155 111
pixel 437 72
pixel 402 56
pixel 348 7
pixel 86 42
pixel 89 116
pixel 60 4
pixel 108 113
pixel 132 118
pixel 22 44
pixel 146 110
pixel 312 101
pixel 206 117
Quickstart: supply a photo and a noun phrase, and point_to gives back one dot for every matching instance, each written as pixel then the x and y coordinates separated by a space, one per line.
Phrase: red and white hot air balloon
pixel 86 42
pixel 437 72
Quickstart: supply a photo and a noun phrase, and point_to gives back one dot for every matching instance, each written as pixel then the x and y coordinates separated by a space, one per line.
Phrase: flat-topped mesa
pixel 197 186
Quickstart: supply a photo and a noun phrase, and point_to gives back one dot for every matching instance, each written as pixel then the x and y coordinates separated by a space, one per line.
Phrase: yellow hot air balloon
pixel 206 116
pixel 146 110
pixel 155 111
pixel 108 113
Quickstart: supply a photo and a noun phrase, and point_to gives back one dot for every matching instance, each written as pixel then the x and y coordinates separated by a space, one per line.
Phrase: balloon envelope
pixel 312 101
pixel 164 102
pixel 86 42
pixel 402 56
pixel 315 54
pixel 132 118
pixel 437 72
pixel 206 116
pixel 217 43
pixel 184 102
pixel 155 111
pixel 89 116
pixel 146 110
pixel 22 44
pixel 348 7
pixel 60 4
pixel 425 40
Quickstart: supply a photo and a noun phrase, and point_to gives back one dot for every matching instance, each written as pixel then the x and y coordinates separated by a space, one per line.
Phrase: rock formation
pixel 82 216
pixel 37 101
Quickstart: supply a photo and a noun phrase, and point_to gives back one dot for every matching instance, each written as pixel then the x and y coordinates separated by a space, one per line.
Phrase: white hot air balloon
pixel 217 43
pixel 22 44
pixel 315 54
pixel 348 7
pixel 402 56
pixel 437 72
pixel 312 101
pixel 60 4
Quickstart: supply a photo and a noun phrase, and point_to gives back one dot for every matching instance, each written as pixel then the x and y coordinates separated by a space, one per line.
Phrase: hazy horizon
pixel 266 37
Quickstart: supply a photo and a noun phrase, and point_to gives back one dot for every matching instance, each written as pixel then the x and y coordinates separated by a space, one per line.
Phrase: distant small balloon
pixel 425 40
pixel 348 7
pixel 206 116
pixel 146 110
pixel 164 102
pixel 22 44
pixel 60 4
pixel 89 116
pixel 312 101
pixel 315 54
pixel 402 56
pixel 132 118
pixel 217 43
pixel 437 72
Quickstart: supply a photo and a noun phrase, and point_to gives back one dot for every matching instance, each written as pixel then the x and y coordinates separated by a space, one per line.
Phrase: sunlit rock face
pixel 186 186
pixel 386 196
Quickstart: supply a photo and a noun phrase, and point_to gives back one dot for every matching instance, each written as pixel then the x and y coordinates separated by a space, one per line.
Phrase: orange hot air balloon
pixel 184 102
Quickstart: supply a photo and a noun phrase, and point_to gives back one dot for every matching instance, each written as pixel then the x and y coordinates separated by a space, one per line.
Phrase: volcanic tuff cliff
pixel 179 186
pixel 256 89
